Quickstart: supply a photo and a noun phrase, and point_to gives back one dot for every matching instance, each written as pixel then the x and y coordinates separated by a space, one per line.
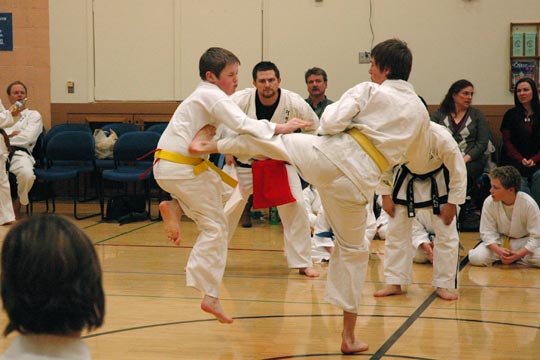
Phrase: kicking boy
pixel 195 190
pixel 374 125
pixel 510 223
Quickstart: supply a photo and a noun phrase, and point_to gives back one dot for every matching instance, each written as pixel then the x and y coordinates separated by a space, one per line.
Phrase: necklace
pixel 527 119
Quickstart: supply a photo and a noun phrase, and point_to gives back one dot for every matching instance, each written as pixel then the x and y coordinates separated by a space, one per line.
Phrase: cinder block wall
pixel 29 61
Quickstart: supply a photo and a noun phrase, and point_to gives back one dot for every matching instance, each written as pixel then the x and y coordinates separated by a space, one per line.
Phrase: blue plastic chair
pixel 158 128
pixel 127 169
pixel 121 128
pixel 69 154
pixel 65 127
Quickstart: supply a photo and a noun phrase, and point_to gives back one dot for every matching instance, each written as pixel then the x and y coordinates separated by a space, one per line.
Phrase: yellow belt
pixel 369 148
pixel 506 242
pixel 199 165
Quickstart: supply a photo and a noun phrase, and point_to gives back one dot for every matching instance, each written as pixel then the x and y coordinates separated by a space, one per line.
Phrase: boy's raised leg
pixel 202 142
pixel 212 305
pixel 171 212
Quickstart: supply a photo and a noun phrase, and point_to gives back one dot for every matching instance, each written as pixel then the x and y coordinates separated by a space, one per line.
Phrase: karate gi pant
pixel 398 251
pixel 344 204
pixel 483 256
pixel 6 206
pixel 22 166
pixel 201 198
pixel 294 217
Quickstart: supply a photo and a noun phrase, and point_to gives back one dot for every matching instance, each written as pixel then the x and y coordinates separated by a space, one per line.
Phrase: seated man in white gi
pixel 509 225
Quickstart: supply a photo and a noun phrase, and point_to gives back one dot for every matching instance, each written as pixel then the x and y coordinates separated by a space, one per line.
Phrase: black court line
pixel 321 355
pixel 407 324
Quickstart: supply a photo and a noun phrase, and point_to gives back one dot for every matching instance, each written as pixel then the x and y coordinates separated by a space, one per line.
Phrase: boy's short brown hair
pixel 509 177
pixel 215 59
pixel 394 55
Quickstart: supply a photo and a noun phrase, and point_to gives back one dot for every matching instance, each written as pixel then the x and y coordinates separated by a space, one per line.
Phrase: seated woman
pixel 51 288
pixel 521 136
pixel 470 129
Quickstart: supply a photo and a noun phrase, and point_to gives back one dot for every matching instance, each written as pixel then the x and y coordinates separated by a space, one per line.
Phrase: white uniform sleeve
pixel 339 116
pixel 228 113
pixel 533 227
pixel 29 135
pixel 6 119
pixel 448 151
pixel 488 223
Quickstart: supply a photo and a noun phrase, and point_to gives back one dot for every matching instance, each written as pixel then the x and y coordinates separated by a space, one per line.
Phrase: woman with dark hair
pixel 469 128
pixel 520 130
pixel 51 288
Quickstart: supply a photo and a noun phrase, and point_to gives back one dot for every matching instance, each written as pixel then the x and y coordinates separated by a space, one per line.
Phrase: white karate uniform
pixel 523 229
pixel 398 256
pixel 44 347
pixel 201 196
pixel 6 206
pixel 394 119
pixel 422 232
pixel 22 163
pixel 294 217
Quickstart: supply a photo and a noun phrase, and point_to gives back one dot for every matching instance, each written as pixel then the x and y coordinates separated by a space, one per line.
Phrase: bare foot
pixel 171 212
pixel 309 272
pixel 447 294
pixel 202 141
pixel 388 290
pixel 211 305
pixel 349 345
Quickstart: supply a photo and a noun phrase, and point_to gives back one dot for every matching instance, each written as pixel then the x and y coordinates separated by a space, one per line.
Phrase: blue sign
pixel 6 32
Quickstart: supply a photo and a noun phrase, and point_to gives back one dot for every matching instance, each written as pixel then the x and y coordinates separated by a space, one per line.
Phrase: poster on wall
pixel 521 69
pixel 6 32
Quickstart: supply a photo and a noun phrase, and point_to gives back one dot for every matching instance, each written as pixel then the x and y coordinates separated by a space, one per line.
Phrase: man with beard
pixel 266 100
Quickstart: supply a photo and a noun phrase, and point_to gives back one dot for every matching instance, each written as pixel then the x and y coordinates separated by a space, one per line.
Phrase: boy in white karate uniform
pixel 374 125
pixel 510 223
pixel 195 186
pixel 439 184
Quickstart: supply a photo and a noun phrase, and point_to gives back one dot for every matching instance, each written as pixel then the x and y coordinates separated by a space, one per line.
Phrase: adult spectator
pixel 23 135
pixel 470 129
pixel 267 100
pixel 521 136
pixel 317 82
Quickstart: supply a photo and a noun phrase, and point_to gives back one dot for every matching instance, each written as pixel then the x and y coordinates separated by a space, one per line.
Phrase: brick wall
pixel 29 61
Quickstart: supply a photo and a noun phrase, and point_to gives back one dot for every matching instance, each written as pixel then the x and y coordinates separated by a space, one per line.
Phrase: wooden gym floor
pixel 279 314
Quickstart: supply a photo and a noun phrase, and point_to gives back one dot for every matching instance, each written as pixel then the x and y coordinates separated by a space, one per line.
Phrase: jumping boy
pixel 372 126
pixel 195 190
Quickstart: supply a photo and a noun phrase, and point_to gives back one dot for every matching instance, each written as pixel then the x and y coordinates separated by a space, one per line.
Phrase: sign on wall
pixel 6 32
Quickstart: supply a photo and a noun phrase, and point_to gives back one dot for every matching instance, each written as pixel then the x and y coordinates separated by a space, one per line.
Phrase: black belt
pixel 17 148
pixel 435 202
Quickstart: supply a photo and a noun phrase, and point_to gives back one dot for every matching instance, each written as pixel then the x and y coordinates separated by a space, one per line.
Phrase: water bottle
pixel 274 216
pixel 18 104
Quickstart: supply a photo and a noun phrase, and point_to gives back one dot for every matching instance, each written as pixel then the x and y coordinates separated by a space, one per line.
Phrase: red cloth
pixel 270 184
